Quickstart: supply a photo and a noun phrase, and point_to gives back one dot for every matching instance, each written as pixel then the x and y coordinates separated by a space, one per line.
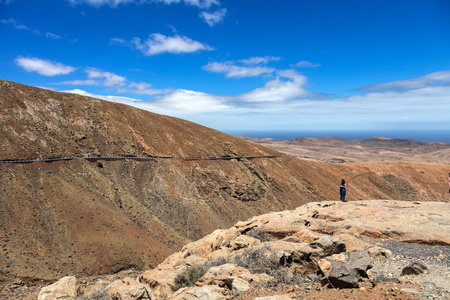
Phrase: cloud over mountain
pixel 287 102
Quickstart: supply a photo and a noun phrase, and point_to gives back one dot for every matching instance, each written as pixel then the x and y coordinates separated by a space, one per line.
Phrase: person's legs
pixel 343 195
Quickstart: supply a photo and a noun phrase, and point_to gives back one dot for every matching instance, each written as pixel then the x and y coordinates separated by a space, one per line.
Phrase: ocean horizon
pixel 442 136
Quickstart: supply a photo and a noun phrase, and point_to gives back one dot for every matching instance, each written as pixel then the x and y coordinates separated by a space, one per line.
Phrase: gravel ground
pixel 435 282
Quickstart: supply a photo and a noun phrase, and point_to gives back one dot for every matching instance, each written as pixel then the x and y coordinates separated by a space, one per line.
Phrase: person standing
pixel 449 182
pixel 343 190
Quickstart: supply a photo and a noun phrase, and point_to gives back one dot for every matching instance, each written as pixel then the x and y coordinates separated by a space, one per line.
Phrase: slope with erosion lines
pixel 85 217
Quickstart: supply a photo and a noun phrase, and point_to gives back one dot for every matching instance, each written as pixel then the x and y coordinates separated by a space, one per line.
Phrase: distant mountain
pixel 335 149
pixel 96 217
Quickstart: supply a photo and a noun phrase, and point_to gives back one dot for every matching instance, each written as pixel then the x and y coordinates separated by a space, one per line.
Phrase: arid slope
pixel 81 217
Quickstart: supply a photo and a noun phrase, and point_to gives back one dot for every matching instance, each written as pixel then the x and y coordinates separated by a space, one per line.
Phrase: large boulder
pixel 65 288
pixel 329 245
pixel 345 270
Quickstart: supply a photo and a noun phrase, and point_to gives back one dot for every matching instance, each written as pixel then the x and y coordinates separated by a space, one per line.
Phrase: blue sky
pixel 242 65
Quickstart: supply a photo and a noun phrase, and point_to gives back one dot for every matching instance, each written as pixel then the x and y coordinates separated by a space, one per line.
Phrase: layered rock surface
pixel 323 241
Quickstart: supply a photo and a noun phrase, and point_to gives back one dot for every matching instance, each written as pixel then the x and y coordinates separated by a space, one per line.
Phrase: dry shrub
pixel 264 261
pixel 259 233
pixel 189 277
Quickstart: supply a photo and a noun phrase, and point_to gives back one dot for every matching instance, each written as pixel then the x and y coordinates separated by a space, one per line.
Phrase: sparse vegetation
pixel 259 233
pixel 100 165
pixel 259 260
pixel 218 262
pixel 189 276
pixel 264 260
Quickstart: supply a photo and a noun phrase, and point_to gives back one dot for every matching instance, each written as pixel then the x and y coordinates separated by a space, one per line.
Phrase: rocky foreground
pixel 319 250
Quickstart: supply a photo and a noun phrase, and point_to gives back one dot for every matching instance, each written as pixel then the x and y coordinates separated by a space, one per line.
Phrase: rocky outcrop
pixel 65 288
pixel 290 247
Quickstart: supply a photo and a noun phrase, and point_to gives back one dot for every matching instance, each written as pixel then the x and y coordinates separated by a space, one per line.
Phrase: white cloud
pixel 108 78
pixel 118 41
pixel 168 1
pixel 119 99
pixel 232 70
pixel 98 77
pixel 198 3
pixel 288 85
pixel 181 102
pixel 52 35
pixel 159 43
pixel 306 64
pixel 249 67
pixel 284 103
pixel 114 3
pixel 43 67
pixel 142 88
pixel 419 82
pixel 259 60
pixel 81 82
pixel 33 31
pixel 185 101
pixel 174 30
pixel 212 18
pixel 15 24
pixel 98 3
pixel 202 3
pixel 189 102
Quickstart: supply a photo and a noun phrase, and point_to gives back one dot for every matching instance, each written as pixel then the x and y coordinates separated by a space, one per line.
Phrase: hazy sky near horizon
pixel 242 65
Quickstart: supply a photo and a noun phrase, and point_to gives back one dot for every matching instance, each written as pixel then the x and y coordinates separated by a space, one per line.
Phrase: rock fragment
pixel 414 268
pixel 65 288
pixel 345 270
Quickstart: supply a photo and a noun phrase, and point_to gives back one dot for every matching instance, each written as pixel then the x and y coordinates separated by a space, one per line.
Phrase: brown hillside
pixel 81 217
